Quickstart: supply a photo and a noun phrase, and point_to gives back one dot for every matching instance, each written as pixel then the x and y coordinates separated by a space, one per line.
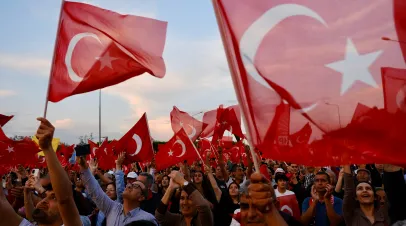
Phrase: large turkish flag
pixel 323 58
pixel 96 48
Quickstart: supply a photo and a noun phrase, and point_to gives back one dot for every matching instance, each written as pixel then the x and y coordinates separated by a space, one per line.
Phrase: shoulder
pixel 145 215
pixel 26 223
pixel 306 201
pixel 338 200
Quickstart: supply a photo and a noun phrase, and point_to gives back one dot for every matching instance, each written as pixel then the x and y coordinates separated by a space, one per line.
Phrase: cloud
pixel 7 93
pixel 24 63
pixel 63 123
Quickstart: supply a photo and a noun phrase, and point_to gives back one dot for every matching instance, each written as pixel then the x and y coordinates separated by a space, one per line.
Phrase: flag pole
pixel 100 116
pixel 53 59
pixel 231 63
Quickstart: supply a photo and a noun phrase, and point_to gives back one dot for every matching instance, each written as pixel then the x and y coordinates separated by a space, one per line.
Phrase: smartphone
pixel 82 150
pixel 35 172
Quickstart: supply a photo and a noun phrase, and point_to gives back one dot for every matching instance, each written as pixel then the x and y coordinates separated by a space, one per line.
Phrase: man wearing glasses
pixel 117 213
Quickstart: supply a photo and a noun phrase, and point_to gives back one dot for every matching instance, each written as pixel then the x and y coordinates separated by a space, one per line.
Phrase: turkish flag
pixel 106 155
pixel 96 48
pixel 4 119
pixel 323 58
pixel 394 84
pixel 288 203
pixel 209 118
pixel 137 143
pixel 93 149
pixel 302 136
pixel 178 149
pixel 227 120
pixel 192 126
pixel 359 112
pixel 14 152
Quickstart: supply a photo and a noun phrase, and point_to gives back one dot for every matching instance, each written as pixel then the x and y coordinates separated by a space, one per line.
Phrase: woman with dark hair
pixel 164 184
pixel 233 191
pixel 360 205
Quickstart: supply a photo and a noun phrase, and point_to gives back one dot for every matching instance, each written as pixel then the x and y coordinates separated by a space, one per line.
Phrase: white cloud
pixel 24 63
pixel 63 123
pixel 7 93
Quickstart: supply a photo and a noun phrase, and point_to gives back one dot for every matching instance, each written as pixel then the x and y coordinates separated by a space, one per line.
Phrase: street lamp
pixel 338 111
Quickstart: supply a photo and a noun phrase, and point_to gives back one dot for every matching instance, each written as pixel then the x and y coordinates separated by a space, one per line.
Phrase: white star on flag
pixel 105 61
pixel 10 149
pixel 355 67
pixel 170 153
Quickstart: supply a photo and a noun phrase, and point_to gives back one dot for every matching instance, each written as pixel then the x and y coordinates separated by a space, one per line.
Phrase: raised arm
pixel 213 181
pixel 59 179
pixel 222 165
pixel 102 201
pixel 119 174
pixel 202 205
pixel 349 202
pixel 161 213
pixel 334 218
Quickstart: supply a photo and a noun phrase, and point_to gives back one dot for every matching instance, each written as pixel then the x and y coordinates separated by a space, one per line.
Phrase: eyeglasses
pixel 132 186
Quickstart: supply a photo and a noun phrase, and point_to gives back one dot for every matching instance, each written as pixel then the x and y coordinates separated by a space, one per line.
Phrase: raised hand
pixel 260 191
pixel 45 134
pixel 314 194
pixel 329 190
pixel 120 160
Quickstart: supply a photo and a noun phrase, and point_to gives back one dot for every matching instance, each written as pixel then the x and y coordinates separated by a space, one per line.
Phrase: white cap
pixel 132 175
pixel 110 172
pixel 279 170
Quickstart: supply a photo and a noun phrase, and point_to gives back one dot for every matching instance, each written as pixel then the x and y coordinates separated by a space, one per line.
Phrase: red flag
pixel 137 143
pixel 192 126
pixel 394 84
pixel 93 149
pixel 106 155
pixel 359 112
pixel 4 119
pixel 302 136
pixel 322 58
pixel 288 203
pixel 97 48
pixel 210 119
pixel 178 149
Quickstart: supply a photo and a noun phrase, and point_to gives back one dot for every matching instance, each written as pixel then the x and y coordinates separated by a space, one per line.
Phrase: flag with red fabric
pixel 96 48
pixel 178 149
pixel 192 126
pixel 323 69
pixel 137 143
pixel 210 119
pixel 394 89
pixel 4 119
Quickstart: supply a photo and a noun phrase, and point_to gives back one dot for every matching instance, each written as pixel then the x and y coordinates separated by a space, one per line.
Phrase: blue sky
pixel 197 77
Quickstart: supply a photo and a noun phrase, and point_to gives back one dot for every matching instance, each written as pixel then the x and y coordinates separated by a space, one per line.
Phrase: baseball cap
pixel 132 175
pixel 279 170
pixel 358 170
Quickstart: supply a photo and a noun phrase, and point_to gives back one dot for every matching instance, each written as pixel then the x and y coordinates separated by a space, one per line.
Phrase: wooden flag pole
pixel 232 64
pixel 53 58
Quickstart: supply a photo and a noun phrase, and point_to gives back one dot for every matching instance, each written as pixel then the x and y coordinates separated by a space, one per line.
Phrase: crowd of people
pixel 278 193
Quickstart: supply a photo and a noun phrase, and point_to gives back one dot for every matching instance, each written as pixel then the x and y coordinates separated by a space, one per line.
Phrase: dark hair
pixel 325 174
pixel 376 204
pixel 112 183
pixel 165 176
pixel 281 176
pixel 150 179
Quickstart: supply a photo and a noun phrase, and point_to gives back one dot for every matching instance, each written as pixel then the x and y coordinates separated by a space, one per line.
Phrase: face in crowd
pixel 365 193
pixel 165 181
pixel 187 208
pixel 198 177
pixel 47 211
pixel 135 192
pixel 111 191
pixel 321 181
pixel 233 190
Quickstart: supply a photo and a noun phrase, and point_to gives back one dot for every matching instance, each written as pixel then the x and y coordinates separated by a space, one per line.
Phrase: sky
pixel 197 77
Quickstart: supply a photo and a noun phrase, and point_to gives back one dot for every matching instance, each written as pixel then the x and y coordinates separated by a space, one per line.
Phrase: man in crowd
pixel 117 214
pixel 322 208
pixel 58 207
